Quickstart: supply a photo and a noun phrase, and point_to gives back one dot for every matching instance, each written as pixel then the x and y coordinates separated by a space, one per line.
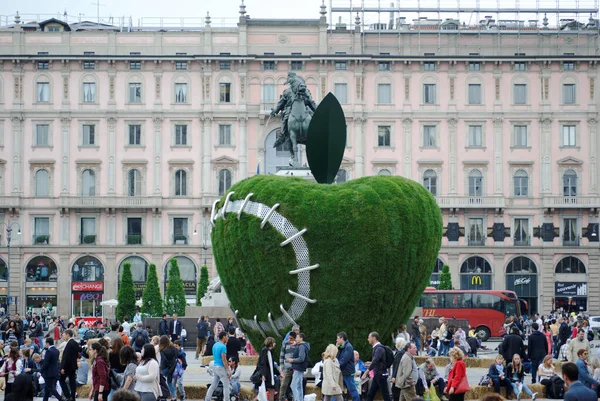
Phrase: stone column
pixel 407 125
pixel 546 156
pixel 452 169
pixel 593 129
pixel 546 285
pixel 110 282
pixel 64 298
pixel 112 144
pixel 243 152
pixel 359 145
pixel 65 226
pixel 17 155
pixel 65 124
pixel 498 155
pixel 206 155
pixel 157 154
pixel 111 227
pixel 156 230
pixel 593 283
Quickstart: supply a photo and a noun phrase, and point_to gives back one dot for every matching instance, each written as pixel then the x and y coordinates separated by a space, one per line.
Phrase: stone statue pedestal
pixel 300 172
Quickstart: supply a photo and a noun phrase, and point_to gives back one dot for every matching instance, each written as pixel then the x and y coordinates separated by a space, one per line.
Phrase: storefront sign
pixel 188 286
pixel 88 296
pixel 88 286
pixel 476 281
pixel 522 281
pixel 570 289
pixel 524 285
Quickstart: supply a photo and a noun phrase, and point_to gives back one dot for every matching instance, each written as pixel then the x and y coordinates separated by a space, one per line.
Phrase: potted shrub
pixel 89 239
pixel 42 239
pixel 180 239
pixel 134 239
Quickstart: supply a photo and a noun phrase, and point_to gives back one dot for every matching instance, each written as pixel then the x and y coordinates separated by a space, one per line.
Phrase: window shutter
pixel 592 228
pixel 548 232
pixel 498 232
pixel 452 232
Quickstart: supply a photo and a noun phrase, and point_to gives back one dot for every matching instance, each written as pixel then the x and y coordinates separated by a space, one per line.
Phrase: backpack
pixel 389 356
pixel 203 330
pixel 590 335
pixel 139 340
pixel 89 334
pixel 178 372
pixel 556 388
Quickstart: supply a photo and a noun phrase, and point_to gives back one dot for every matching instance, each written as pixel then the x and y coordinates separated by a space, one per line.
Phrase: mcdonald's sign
pixel 476 280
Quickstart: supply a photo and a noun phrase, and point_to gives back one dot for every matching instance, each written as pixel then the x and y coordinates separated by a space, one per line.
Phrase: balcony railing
pixel 133 239
pixel 476 242
pixel 10 201
pixel 470 202
pixel 266 107
pixel 87 239
pixel 571 241
pixel 180 239
pixel 571 202
pixel 522 241
pixel 124 202
pixel 41 239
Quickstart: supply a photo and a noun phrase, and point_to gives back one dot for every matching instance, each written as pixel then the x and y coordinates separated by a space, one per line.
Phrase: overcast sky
pixel 165 8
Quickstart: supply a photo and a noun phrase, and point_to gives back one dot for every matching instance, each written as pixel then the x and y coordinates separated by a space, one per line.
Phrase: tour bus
pixel 486 310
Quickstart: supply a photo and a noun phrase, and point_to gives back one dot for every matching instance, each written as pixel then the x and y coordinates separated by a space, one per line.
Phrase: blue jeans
pixel 417 341
pixel 518 393
pixel 351 386
pixel 443 349
pixel 297 383
pixel 179 384
pixel 170 383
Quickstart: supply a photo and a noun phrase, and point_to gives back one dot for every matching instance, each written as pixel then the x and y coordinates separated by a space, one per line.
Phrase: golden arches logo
pixel 476 280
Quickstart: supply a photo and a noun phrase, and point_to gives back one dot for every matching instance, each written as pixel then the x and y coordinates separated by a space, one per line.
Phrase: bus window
pixel 426 301
pixel 510 308
pixel 487 301
pixel 457 300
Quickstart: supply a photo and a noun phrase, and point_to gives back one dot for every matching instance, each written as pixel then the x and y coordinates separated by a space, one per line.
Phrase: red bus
pixel 485 310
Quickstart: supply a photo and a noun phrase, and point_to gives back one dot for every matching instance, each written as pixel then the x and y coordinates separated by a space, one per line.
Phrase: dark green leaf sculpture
pixel 326 140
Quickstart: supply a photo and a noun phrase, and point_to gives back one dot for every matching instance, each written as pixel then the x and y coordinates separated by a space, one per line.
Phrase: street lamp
pixel 205 229
pixel 9 229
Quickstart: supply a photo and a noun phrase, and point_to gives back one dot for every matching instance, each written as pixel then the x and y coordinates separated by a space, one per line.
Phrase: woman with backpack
pixel 100 380
pixel 147 375
pixel 12 368
pixel 168 362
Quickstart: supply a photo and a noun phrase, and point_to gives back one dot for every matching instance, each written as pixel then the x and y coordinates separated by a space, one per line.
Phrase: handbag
pixel 256 377
pixel 433 394
pixel 463 386
pixel 115 384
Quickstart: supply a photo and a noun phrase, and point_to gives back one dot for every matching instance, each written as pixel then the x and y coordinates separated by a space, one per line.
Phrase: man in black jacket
pixel 347 366
pixel 163 326
pixel 379 368
pixel 175 328
pixel 49 370
pixel 513 344
pixel 564 332
pixel 537 349
pixel 68 365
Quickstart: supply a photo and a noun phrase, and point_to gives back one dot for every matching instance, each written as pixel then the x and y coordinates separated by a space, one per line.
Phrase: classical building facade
pixel 115 142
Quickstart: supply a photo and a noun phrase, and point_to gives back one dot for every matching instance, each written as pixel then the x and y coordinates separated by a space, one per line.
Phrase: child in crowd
pixel 183 360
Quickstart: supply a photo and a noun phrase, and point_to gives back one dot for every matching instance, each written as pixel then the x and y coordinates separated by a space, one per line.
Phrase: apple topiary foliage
pixel 376 240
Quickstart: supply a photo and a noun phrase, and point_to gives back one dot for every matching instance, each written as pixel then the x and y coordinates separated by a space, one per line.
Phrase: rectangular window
pixel 268 65
pixel 181 135
pixel 89 92
pixel 53 29
pixel 474 66
pixel 521 232
pixel 135 65
pixel 42 65
pixel 520 66
pixel 225 65
pixel 569 66
pixel 475 136
pixel 475 184
pixel 180 230
pixel 521 137
pixel 476 236
pixel 340 65
pixel 429 136
pixel 225 135
pixel 181 65
pixel 384 66
pixel 569 136
pixel 520 94
pixel 225 92
pixel 474 94
pixel 134 230
pixel 41 230
pixel 43 92
pixel 341 92
pixel 296 65
pixel 384 93
pixel 180 93
pixel 429 94
pixel 88 231
pixel 384 138
pixel 570 237
pixel 89 65
pixel 42 135
pixel 268 94
pixel 568 93
pixel 135 134
pixel 89 135
pixel 429 66
pixel 135 93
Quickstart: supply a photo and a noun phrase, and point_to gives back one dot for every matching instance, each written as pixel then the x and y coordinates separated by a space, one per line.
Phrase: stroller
pixel 218 393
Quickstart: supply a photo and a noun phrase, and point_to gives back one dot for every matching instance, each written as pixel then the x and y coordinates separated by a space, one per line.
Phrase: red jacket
pixel 456 375
pixel 100 375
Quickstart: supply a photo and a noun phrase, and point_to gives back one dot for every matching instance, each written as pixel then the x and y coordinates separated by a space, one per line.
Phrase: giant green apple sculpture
pixel 352 257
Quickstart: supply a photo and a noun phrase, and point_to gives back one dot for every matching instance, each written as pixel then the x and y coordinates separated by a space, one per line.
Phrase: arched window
pixel 521 181
pixel 570 183
pixel 41 268
pixel 475 274
pixel 521 265
pixel 342 176
pixel 42 183
pixel 134 182
pixel 139 272
pixel 439 265
pixel 475 183
pixel 88 268
pixel 430 181
pixel 570 264
pixel 180 183
pixel 224 181
pixel 384 172
pixel 88 183
pixel 187 272
pixel 434 280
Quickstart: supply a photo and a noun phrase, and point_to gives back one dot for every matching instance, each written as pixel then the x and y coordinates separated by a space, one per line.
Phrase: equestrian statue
pixel 296 107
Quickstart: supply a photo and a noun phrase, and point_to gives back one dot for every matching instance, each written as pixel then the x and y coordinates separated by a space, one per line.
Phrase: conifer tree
pixel 126 295
pixel 445 279
pixel 152 303
pixel 175 294
pixel 203 284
